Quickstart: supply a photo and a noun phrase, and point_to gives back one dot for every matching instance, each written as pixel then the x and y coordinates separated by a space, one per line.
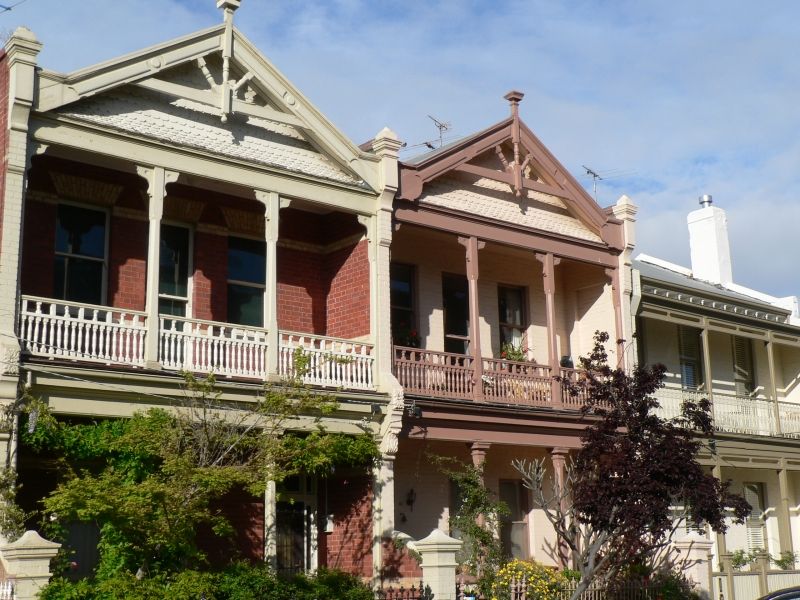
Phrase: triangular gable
pixel 521 161
pixel 255 89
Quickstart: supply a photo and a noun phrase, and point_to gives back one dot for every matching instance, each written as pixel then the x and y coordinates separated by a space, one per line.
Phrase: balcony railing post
pixel 549 263
pixel 473 245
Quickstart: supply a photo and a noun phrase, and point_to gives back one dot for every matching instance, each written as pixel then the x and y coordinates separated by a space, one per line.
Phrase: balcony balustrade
pixel 516 382
pixel 206 346
pixel 80 332
pixel 437 374
pixel 329 362
pixel 57 329
pixel 736 414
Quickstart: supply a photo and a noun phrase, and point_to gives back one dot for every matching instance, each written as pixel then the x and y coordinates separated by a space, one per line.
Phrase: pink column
pixel 549 263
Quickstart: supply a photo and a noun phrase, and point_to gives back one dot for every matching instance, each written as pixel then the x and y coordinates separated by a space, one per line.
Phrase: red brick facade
pixel 349 546
pixel 348 295
pixel 302 291
pixel 38 249
pixel 127 263
pixel 210 294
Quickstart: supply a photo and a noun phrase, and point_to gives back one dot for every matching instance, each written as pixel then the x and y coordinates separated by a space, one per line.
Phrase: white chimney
pixel 708 242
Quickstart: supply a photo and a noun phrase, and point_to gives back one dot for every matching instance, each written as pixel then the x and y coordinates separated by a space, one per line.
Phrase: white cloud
pixel 689 97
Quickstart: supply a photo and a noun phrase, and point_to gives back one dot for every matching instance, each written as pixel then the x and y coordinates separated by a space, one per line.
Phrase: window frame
pixel 244 283
pixel 467 339
pixel 189 271
pixel 413 322
pixel 106 247
pixel 684 359
pixel 524 321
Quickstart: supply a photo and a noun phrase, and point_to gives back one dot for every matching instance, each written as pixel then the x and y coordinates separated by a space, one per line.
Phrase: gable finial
pixel 514 98
pixel 228 8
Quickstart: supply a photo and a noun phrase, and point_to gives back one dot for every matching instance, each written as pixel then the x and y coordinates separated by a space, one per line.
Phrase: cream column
pixel 473 246
pixel 272 201
pixel 157 180
pixel 709 380
pixel 478 452
pixel 773 387
pixel 549 263
pixel 722 548
pixel 559 458
pixel 784 515
pixel 21 49
pixel 270 523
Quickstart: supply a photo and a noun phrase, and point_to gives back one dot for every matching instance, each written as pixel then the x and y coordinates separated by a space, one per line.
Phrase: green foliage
pixel 152 480
pixel 12 517
pixel 477 519
pixel 238 582
pixel 785 561
pixel 510 351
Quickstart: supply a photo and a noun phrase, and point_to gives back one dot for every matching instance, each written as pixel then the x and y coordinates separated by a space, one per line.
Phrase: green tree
pixel 150 481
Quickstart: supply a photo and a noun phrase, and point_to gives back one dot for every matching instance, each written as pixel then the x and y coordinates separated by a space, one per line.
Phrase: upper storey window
pixel 511 301
pixel 173 271
pixel 403 296
pixel 691 359
pixel 247 275
pixel 455 296
pixel 80 255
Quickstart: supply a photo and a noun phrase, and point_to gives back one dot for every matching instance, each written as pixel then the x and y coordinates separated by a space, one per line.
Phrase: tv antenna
pixel 595 176
pixel 442 127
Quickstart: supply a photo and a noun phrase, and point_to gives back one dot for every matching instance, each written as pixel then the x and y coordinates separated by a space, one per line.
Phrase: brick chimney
pixel 708 243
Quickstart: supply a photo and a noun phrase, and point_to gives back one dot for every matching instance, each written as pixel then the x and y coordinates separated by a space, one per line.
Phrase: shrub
pixel 238 582
pixel 541 583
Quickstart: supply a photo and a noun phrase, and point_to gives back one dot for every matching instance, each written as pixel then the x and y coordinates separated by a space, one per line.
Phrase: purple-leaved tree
pixel 615 505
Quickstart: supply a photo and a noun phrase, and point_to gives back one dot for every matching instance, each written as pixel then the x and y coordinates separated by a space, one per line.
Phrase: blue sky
pixel 669 99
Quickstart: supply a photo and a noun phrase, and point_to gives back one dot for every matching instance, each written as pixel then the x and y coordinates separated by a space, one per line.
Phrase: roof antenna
pixel 593 174
pixel 442 127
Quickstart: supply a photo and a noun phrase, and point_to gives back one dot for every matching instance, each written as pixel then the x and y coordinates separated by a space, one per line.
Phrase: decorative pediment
pixel 508 165
pixel 217 72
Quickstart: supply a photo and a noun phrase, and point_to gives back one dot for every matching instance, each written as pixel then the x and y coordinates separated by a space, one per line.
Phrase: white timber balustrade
pixel 59 329
pixel 330 362
pixel 210 347
pixel 743 414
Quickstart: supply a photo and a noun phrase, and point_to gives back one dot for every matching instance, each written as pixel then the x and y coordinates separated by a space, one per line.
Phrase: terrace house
pixel 740 348
pixel 185 207
pixel 502 269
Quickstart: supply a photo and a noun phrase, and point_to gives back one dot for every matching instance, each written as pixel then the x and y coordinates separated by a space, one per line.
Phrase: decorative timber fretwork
pixel 508 156
pixel 218 72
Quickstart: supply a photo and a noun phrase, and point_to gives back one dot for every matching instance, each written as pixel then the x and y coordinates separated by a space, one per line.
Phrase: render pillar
pixel 27 563
pixel 695 551
pixel 438 552
pixel 387 146
pixel 382 510
pixel 22 49
pixel 616 300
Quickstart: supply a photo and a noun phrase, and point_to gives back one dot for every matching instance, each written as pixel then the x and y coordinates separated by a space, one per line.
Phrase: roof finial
pixel 514 98
pixel 228 8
